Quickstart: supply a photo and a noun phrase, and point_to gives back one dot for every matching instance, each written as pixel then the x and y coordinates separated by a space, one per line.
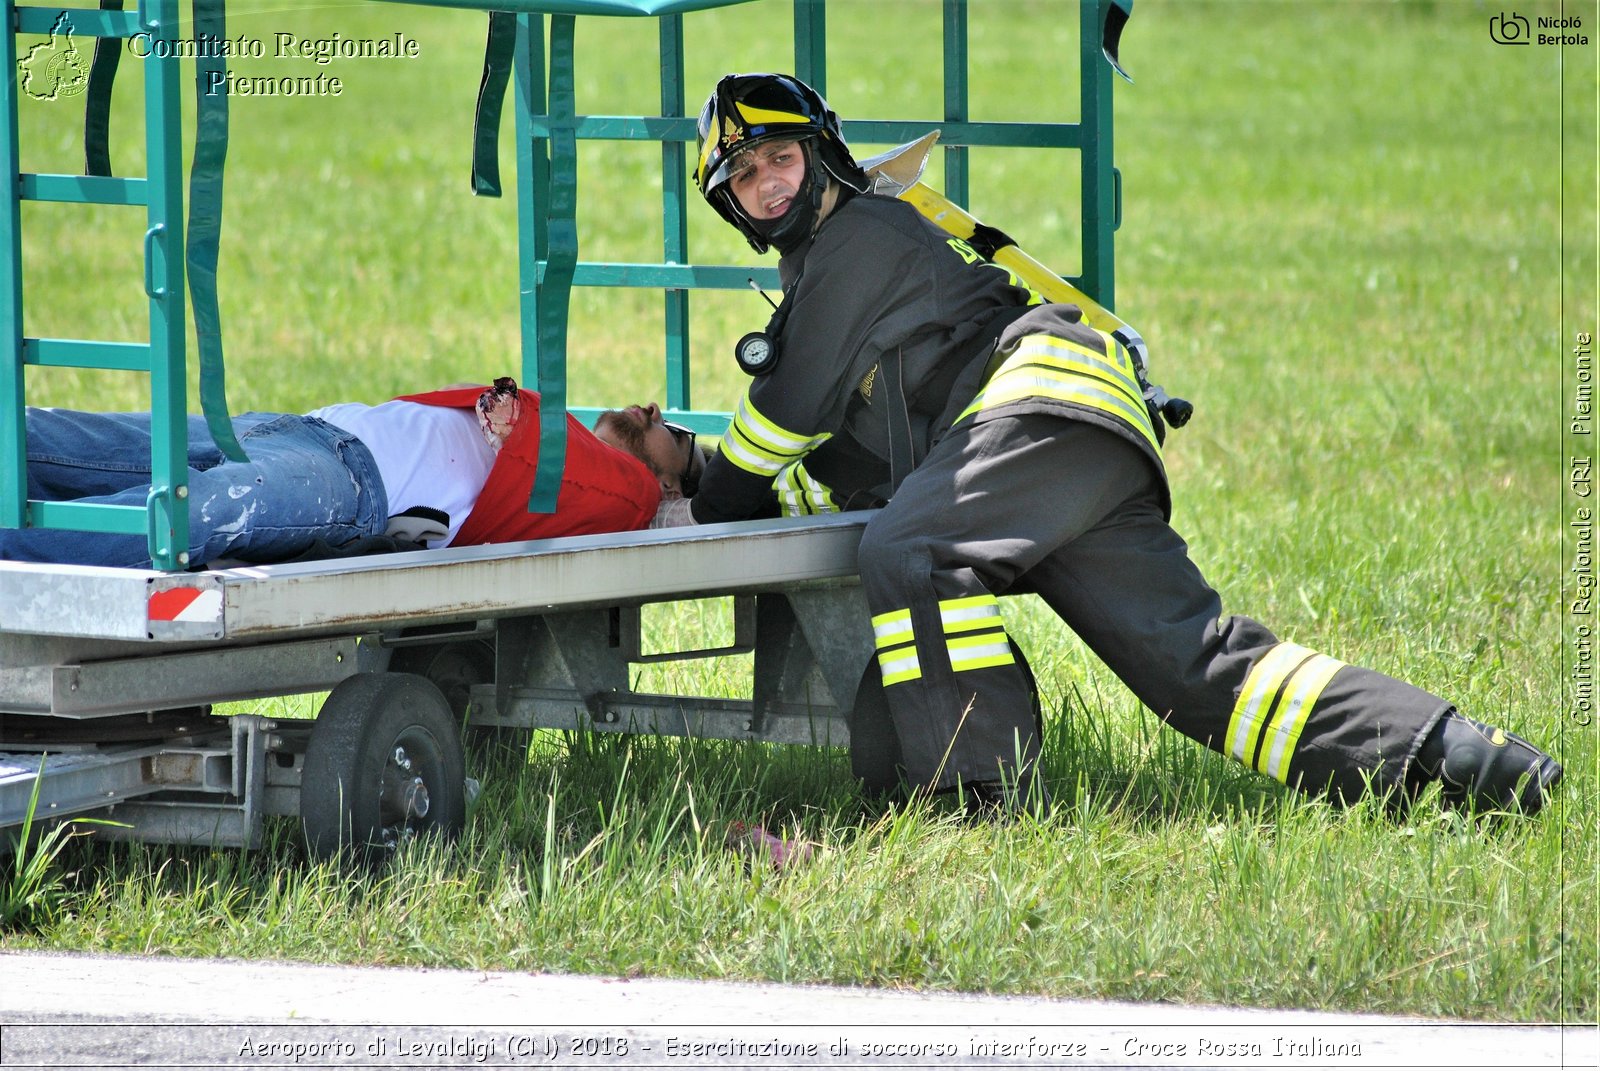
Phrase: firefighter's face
pixel 766 178
pixel 668 449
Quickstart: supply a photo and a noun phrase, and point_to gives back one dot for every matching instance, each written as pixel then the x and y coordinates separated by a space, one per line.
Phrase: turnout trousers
pixel 1073 512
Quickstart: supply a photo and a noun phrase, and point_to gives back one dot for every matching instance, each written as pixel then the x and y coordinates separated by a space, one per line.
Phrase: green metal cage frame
pixel 164 520
pixel 548 129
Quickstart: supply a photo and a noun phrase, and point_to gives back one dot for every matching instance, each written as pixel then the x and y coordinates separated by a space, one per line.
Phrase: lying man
pixel 453 467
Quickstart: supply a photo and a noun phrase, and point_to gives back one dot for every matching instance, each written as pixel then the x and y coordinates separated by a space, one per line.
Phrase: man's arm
pixel 859 282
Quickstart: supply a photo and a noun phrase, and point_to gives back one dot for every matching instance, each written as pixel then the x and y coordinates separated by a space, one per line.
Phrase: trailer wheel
pixel 383 766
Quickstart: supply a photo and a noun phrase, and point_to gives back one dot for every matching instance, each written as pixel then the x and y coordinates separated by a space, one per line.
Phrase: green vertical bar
pixel 810 44
pixel 533 208
pixel 1099 177
pixel 533 184
pixel 956 179
pixel 559 263
pixel 674 214
pixel 13 449
pixel 168 504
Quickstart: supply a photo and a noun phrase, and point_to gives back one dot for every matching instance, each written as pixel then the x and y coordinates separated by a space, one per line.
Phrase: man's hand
pixel 673 513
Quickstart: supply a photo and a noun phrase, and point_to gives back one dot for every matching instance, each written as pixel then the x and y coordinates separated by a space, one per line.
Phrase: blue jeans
pixel 306 480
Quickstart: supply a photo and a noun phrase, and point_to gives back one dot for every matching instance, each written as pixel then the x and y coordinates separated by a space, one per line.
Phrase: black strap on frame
pixel 499 53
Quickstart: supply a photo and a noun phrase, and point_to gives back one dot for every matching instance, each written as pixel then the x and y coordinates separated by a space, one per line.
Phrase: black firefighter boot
pixel 1486 766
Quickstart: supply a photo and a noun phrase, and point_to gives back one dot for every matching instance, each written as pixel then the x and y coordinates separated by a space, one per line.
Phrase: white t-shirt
pixel 427 455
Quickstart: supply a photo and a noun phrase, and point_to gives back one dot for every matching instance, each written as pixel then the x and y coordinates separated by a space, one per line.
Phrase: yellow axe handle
pixel 960 223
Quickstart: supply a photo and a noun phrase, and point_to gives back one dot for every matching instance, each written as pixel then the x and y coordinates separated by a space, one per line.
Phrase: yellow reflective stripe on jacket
pixel 1043 366
pixel 801 495
pixel 756 444
pixel 1294 708
pixel 1112 368
pixel 1278 695
pixel 1060 361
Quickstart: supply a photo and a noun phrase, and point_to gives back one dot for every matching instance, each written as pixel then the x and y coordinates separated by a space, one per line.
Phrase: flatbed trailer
pixel 108 676
pixel 109 673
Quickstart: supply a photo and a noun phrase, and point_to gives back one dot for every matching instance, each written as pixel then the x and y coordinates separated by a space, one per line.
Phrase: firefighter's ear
pixel 670 489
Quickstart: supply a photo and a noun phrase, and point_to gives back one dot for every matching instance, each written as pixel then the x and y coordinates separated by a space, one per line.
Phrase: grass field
pixel 1359 235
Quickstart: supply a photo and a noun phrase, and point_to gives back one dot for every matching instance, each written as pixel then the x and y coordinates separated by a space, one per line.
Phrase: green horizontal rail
pixel 702 421
pixel 84 189
pixel 79 353
pixel 86 21
pixel 674 276
pixel 999 135
pixel 99 517
pixel 681 276
pixel 856 131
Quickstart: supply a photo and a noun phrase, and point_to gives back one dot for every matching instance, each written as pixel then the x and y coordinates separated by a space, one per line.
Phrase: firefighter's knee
pixel 876 549
pixel 891 557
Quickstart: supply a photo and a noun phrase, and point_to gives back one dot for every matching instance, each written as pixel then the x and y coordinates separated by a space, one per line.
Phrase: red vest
pixel 603 489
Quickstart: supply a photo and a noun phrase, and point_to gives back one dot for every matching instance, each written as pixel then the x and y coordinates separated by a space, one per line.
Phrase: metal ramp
pixel 113 671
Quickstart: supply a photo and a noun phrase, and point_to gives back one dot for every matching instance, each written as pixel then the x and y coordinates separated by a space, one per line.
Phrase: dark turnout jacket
pixel 876 281
pixel 887 336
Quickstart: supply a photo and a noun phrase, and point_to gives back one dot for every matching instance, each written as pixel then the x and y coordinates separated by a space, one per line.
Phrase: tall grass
pixel 1165 882
pixel 1343 237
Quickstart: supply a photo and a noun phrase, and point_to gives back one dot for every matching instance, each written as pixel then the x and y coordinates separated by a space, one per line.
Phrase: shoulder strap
pixel 205 219
pixel 97 105
pixel 498 53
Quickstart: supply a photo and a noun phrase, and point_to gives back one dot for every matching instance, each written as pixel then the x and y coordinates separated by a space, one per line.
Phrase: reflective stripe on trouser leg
pixel 897 650
pixel 974 633
pixel 1274 704
pixel 959 701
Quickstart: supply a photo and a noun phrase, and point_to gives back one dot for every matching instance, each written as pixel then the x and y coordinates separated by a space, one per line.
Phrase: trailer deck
pixel 107 675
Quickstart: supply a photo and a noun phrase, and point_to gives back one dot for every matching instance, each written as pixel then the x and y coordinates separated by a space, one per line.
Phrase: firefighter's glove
pixel 673 513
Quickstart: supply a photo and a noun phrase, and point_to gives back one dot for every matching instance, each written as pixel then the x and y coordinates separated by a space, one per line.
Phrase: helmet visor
pixel 731 163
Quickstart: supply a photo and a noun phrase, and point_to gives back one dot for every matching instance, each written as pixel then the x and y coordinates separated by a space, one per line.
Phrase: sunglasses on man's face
pixel 690 480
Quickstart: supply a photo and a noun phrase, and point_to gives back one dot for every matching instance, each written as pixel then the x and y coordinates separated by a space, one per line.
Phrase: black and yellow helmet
pixel 746 110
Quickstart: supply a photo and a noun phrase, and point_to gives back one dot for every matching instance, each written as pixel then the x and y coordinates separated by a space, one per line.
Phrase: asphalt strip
pixel 60 1010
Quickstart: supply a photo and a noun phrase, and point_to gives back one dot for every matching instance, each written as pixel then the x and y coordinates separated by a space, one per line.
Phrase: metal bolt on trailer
pixel 108 676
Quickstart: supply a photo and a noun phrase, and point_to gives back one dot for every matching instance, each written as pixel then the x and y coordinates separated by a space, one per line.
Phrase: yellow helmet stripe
pixel 705 158
pixel 754 115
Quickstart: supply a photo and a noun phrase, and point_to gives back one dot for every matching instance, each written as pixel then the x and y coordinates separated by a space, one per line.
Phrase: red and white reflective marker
pixel 185 604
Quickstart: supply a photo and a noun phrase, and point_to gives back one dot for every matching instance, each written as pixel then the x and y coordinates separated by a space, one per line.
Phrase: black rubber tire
pixel 354 800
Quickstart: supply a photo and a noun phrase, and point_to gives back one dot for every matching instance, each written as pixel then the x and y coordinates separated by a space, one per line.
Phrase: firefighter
pixel 1011 450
